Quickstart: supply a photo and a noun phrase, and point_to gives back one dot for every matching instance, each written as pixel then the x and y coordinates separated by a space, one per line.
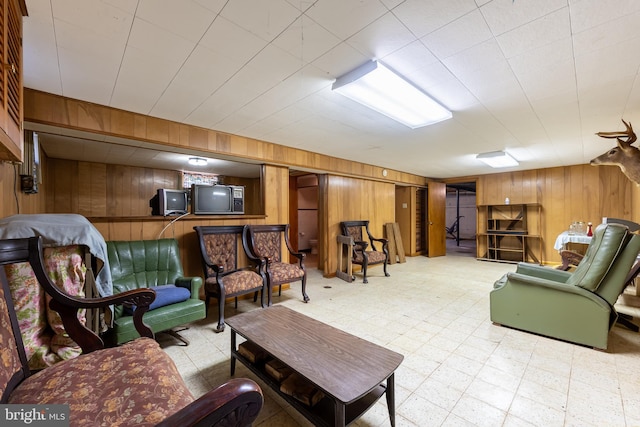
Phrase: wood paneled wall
pixel 344 199
pixel 105 190
pixel 115 198
pixel 566 194
pixel 55 110
pixel 14 201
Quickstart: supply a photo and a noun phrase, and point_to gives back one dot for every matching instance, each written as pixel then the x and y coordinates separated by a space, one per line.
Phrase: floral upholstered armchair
pixel 133 384
pixel 223 275
pixel 366 253
pixel 263 244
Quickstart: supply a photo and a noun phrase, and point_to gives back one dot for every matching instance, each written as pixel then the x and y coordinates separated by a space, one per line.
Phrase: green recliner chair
pixel 153 264
pixel 572 306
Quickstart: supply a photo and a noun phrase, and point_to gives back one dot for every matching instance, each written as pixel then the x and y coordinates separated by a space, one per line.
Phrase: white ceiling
pixel 537 78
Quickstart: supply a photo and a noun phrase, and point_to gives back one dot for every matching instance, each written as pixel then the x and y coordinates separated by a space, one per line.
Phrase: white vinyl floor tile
pixel 459 369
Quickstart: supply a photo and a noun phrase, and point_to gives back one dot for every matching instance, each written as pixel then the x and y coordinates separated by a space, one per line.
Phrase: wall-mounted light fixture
pixel 197 161
pixel 497 159
pixel 384 91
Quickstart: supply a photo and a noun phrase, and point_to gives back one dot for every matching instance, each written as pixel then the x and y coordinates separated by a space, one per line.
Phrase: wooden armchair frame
pixel 360 254
pixel 277 270
pixel 223 278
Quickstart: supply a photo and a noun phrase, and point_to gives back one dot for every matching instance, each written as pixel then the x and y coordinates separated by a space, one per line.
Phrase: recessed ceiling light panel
pixel 384 91
pixel 497 159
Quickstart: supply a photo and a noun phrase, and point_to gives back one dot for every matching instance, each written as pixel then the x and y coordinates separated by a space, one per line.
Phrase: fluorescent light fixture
pixel 380 89
pixel 197 161
pixel 497 159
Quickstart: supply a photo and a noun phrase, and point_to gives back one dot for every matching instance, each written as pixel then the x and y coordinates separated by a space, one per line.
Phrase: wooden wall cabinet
pixel 509 233
pixel 11 98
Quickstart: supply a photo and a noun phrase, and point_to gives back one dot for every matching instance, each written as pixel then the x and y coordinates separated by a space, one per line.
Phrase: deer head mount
pixel 625 156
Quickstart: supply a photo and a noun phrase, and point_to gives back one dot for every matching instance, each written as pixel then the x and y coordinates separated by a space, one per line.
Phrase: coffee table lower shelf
pixel 322 413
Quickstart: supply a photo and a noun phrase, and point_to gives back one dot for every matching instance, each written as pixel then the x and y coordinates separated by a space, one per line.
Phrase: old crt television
pixel 217 199
pixel 169 202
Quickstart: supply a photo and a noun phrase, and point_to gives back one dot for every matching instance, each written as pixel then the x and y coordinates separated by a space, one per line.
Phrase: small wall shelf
pixel 509 233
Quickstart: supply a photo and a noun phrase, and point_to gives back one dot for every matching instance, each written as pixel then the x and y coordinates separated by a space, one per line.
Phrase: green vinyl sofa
pixel 573 306
pixel 153 264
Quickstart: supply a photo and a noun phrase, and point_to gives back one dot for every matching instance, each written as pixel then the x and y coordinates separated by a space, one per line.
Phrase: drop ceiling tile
pixel 94 16
pixel 200 76
pixel 306 40
pixel 382 37
pixel 340 60
pixel 75 83
pixel 606 100
pixel 422 17
pixel 533 69
pixel 410 59
pixel 157 42
pixel 483 125
pixel 186 18
pixel 505 15
pixel 299 86
pixel 152 59
pixel 244 87
pixel 232 41
pixel 465 32
pixel 611 33
pixel 608 65
pixel 141 81
pixel 518 117
pixel 296 107
pixel 125 5
pixel 492 82
pixel 548 29
pixel 390 4
pixel 453 95
pixel 89 64
pixel 344 18
pixel 587 14
pixel 266 19
pixel 41 54
pixel 431 75
pixel 477 57
pixel 274 65
pixel 213 5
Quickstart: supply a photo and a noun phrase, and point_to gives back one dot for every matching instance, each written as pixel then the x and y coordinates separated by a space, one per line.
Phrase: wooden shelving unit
pixel 509 233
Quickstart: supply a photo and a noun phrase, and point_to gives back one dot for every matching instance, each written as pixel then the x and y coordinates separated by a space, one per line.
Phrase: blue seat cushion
pixel 165 295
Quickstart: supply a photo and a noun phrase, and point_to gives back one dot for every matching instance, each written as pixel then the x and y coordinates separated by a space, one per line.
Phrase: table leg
pixel 233 348
pixel 340 414
pixel 391 399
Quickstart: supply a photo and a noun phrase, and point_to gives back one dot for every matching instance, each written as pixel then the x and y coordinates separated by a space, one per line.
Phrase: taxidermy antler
pixel 625 156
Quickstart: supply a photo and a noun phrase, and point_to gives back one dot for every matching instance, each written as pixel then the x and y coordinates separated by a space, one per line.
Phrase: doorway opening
pixel 461 225
pixel 304 215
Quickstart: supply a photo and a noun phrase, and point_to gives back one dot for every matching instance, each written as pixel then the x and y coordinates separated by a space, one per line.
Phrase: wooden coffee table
pixel 353 373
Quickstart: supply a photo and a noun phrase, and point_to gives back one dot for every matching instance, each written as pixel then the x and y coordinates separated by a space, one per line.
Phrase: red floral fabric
pixel 45 340
pixel 374 257
pixel 237 282
pixel 268 244
pixel 221 249
pixel 9 358
pixel 136 384
pixel 284 273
